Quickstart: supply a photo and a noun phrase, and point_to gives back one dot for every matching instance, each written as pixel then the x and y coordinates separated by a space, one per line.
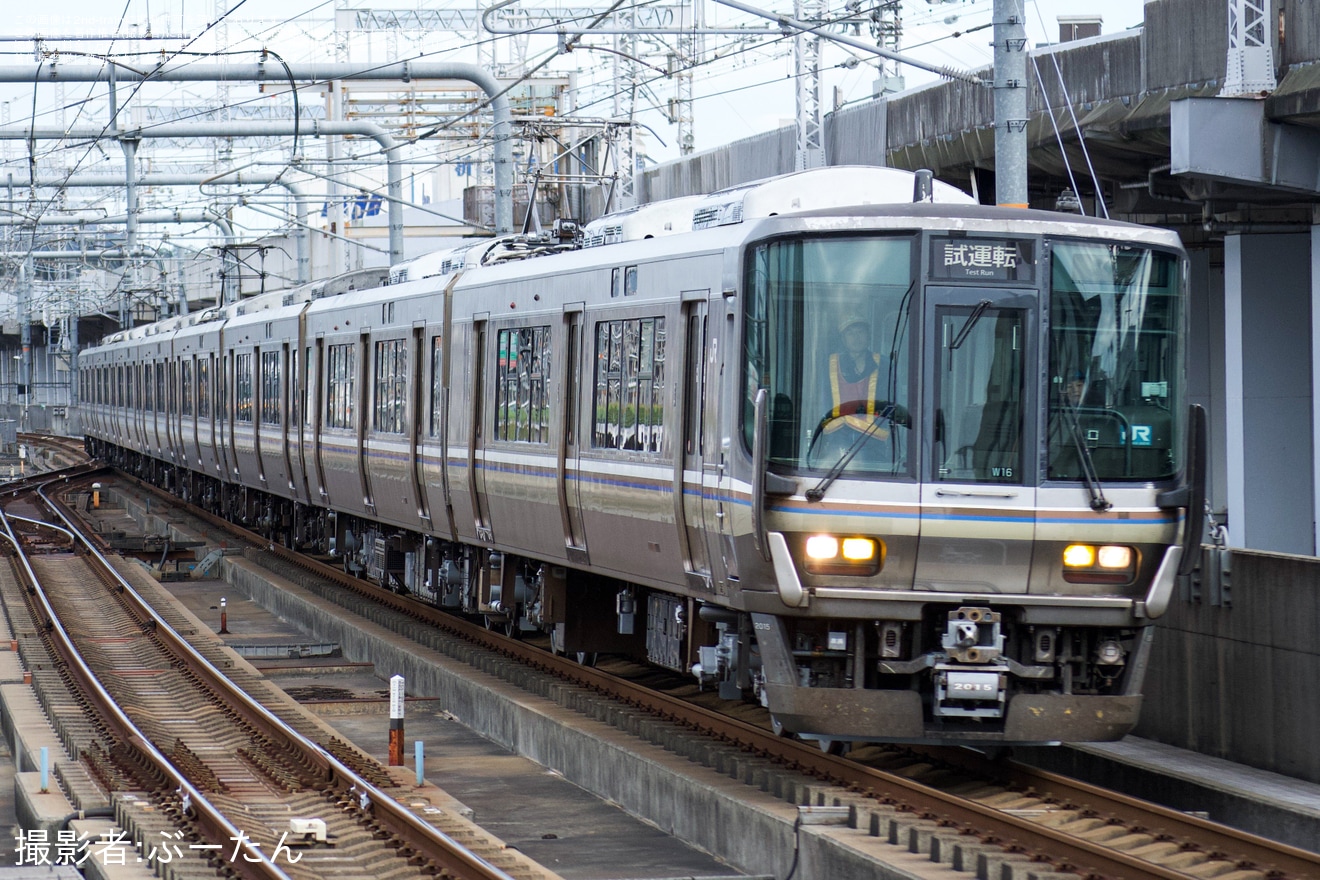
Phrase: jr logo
pixel 1141 435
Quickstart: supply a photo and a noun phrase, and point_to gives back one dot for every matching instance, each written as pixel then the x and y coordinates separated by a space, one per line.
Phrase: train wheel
pixel 503 624
pixel 587 658
pixel 777 727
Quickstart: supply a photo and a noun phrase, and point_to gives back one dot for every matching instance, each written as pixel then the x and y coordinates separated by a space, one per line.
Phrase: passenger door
pixel 477 433
pixel 317 375
pixel 366 399
pixel 717 436
pixel 575 536
pixel 415 418
pixel 288 413
pixel 978 494
pixel 688 483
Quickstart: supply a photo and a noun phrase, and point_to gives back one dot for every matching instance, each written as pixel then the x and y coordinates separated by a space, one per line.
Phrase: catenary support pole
pixel 1010 103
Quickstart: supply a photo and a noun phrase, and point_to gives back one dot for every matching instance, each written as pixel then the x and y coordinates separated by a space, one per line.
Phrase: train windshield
pixel 827 335
pixel 1114 349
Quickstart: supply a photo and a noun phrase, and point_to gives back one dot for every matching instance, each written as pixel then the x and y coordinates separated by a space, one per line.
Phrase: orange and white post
pixel 396 721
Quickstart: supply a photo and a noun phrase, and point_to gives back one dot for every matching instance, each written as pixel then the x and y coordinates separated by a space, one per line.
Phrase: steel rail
pixel 960 815
pixel 31 481
pixel 443 850
pixel 1265 854
pixel 212 823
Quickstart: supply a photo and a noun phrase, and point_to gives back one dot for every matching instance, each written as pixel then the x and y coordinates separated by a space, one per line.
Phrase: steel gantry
pixel 261 72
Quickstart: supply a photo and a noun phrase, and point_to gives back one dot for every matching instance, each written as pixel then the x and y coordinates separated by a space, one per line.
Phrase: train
pixel 897 465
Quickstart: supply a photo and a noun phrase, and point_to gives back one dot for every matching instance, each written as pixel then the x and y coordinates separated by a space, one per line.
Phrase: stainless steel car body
pixel 473 411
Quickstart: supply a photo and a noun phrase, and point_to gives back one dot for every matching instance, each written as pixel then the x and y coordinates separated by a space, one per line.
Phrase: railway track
pixel 61 452
pixel 223 771
pixel 944 798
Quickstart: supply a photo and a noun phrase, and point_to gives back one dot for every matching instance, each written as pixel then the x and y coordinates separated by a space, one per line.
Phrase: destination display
pixel 983 259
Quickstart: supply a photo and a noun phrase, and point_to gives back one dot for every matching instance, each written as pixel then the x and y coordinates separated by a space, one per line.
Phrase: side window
pixel 391 385
pixel 630 385
pixel 270 387
pixel 437 372
pixel 243 387
pixel 341 375
pixel 160 387
pixel 522 379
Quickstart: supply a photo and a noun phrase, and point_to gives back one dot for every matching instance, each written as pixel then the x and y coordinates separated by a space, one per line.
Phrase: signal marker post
pixel 396 721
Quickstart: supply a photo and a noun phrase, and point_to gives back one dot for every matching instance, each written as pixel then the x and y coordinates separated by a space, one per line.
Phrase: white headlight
pixel 1114 557
pixel 822 547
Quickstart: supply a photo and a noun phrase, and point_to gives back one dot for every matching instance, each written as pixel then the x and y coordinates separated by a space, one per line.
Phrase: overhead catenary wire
pixel 111 121
pixel 248 33
pixel 1086 153
pixel 1058 135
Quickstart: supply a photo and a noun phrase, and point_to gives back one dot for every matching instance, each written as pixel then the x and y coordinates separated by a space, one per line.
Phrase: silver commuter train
pixel 902 467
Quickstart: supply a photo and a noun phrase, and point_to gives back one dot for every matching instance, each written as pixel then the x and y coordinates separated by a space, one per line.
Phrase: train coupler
pixel 970 692
pixel 975 683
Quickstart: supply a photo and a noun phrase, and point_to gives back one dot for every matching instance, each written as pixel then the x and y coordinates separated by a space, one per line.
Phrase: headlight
pixel 1114 557
pixel 1079 556
pixel 828 554
pixel 858 549
pixel 1099 564
pixel 822 547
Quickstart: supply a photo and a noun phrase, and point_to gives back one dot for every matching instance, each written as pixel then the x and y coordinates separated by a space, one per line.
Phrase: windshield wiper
pixel 971 322
pixel 1093 488
pixel 818 491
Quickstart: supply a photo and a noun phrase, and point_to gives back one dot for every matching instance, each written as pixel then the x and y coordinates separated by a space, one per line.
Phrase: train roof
pixel 652 220
pixel 991 218
pixel 809 201
pixel 840 186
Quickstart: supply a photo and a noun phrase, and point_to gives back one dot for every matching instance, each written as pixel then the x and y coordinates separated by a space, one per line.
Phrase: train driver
pixel 859 394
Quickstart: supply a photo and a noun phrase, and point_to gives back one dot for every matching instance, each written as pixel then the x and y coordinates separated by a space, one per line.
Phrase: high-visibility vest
pixel 855 421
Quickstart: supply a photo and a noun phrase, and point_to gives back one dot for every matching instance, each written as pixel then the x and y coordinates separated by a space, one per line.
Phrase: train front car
pixel 972 424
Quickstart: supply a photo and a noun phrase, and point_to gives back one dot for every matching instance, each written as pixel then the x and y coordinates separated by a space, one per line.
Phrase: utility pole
pixel 887 29
pixel 810 151
pixel 628 76
pixel 688 48
pixel 25 335
pixel 1010 104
